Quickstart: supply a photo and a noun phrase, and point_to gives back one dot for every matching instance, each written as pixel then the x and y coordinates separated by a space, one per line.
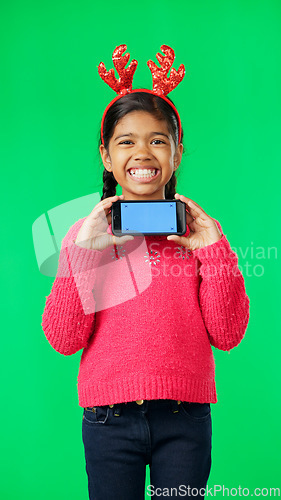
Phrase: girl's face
pixel 141 142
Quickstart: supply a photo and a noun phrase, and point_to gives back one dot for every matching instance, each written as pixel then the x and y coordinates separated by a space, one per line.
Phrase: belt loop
pixel 117 411
pixel 175 406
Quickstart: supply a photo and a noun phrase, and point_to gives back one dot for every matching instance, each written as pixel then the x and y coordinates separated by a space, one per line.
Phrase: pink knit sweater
pixel 146 315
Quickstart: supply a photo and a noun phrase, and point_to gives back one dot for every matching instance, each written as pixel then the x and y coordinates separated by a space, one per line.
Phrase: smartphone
pixel 159 217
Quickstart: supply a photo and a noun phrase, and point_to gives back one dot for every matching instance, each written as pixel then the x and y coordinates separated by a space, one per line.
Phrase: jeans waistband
pixel 143 404
pixel 150 403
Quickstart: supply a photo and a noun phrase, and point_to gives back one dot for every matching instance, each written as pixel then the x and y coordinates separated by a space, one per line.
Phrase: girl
pixel 145 311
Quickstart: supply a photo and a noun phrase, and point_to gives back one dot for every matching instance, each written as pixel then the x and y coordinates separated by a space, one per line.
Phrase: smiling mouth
pixel 143 174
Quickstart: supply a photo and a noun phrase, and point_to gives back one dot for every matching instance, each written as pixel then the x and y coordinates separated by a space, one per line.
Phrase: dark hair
pixel 138 101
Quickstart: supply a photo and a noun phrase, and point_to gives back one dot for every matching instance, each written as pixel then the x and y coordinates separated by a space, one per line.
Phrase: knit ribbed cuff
pixel 74 260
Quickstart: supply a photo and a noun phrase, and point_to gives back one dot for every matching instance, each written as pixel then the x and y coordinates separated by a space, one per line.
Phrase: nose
pixel 142 158
pixel 143 154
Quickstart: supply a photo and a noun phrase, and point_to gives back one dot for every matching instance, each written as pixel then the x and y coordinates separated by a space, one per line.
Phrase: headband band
pixel 149 92
pixel 162 85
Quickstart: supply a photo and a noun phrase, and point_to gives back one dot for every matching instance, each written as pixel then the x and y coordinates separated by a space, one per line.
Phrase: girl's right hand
pixel 93 234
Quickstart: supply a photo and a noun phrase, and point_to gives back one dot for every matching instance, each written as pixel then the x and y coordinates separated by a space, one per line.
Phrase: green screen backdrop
pixel 52 100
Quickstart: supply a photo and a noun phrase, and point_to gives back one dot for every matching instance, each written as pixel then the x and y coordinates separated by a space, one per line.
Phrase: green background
pixel 52 100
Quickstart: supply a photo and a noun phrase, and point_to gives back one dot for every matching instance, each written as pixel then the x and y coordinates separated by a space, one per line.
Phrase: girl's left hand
pixel 203 229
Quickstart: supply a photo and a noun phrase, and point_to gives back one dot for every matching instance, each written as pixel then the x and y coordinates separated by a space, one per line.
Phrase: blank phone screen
pixel 149 217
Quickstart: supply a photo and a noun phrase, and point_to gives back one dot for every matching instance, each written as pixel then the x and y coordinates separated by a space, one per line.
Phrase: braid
pixel 170 188
pixel 109 185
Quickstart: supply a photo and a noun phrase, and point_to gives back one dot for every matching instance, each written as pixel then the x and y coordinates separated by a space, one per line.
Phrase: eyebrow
pixel 152 133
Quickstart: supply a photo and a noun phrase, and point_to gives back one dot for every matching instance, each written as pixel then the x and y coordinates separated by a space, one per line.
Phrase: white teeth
pixel 143 172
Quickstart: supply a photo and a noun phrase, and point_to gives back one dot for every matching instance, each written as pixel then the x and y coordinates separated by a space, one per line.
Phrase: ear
pixel 178 156
pixel 105 158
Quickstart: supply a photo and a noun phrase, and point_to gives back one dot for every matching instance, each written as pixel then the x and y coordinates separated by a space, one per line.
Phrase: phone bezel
pixel 116 217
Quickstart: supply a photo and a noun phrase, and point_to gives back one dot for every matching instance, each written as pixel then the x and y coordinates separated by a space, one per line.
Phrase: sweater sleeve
pixel 69 313
pixel 222 296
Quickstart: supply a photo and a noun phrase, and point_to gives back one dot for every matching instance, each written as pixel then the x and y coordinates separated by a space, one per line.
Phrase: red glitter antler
pixel 124 84
pixel 162 85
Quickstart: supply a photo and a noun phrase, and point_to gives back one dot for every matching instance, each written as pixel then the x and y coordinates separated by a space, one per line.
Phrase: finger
pixel 101 206
pixel 102 211
pixel 119 240
pixel 194 208
pixel 189 218
pixel 100 226
pixel 107 202
pixel 193 226
pixel 180 240
pixel 110 200
pixel 197 211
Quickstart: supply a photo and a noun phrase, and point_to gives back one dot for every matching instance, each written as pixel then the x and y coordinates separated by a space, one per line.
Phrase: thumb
pixel 119 240
pixel 181 240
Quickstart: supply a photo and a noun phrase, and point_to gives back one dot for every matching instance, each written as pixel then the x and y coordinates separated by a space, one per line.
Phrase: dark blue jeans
pixel 174 439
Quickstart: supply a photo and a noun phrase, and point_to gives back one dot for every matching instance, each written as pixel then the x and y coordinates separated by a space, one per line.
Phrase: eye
pixel 158 140
pixel 128 141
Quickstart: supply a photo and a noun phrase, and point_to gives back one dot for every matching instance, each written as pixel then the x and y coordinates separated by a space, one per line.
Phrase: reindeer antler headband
pixel 162 85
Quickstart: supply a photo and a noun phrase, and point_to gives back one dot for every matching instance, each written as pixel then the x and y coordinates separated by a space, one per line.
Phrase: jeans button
pixel 139 401
pixel 90 408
